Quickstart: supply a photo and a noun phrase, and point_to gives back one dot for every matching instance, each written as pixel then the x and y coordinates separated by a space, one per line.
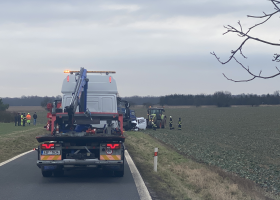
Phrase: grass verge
pixel 181 178
pixel 18 141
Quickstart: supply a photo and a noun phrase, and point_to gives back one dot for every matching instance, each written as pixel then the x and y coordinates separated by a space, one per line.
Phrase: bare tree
pixel 246 34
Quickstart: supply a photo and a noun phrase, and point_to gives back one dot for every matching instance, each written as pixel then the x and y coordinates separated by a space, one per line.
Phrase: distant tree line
pixel 5 116
pixel 30 100
pixel 145 100
pixel 3 106
pixel 221 99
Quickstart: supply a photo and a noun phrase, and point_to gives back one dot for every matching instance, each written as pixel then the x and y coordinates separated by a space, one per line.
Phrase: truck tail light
pixel 110 79
pixel 114 146
pixel 47 146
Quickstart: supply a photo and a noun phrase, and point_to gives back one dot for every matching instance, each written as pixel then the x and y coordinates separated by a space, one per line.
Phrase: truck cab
pixel 101 95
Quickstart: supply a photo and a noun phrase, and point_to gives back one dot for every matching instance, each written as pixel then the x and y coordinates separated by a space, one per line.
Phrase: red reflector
pixel 155 153
pixel 113 146
pixel 110 79
pixel 47 146
pixel 68 78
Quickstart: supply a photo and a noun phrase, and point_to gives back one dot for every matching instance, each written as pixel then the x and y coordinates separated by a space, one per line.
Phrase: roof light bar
pixel 98 72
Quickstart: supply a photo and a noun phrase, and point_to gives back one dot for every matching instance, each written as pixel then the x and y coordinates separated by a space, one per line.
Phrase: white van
pixel 141 123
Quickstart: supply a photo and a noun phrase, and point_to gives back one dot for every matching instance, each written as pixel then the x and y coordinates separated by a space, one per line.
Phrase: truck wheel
pixel 119 173
pixel 47 173
pixel 158 124
pixel 58 173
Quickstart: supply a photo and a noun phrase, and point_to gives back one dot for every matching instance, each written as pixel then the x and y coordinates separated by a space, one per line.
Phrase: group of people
pixel 171 123
pixel 21 119
pixel 154 126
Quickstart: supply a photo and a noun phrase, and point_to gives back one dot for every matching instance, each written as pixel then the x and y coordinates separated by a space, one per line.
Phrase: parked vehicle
pixel 86 129
pixel 156 116
pixel 128 115
pixel 140 123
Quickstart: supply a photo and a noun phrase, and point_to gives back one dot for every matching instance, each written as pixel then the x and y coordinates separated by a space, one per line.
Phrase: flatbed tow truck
pixel 79 138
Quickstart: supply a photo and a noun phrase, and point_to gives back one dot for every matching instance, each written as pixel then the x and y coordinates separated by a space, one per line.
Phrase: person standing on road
pixel 16 119
pixel 179 124
pixel 19 119
pixel 28 118
pixel 171 123
pixel 34 119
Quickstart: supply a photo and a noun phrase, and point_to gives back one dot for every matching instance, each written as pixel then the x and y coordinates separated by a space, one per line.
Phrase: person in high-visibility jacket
pixel 24 119
pixel 28 118
pixel 170 123
pixel 179 124
pixel 21 119
pixel 154 126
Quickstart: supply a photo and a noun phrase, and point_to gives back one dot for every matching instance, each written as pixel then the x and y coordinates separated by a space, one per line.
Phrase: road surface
pixel 21 179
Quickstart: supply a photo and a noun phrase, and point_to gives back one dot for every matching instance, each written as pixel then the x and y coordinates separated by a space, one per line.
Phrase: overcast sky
pixel 155 47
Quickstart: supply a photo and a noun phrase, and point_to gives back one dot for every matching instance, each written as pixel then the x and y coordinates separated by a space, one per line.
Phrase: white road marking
pixel 140 185
pixel 7 161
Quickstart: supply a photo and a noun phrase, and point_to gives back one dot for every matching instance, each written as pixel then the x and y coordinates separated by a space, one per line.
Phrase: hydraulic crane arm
pixel 81 85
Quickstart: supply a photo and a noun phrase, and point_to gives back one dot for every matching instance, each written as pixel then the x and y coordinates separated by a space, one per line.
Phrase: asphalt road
pixel 21 179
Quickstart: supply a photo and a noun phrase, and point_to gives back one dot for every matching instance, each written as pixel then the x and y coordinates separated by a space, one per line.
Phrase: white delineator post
pixel 155 159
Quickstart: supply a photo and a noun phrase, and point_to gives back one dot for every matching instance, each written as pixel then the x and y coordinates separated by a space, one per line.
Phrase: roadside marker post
pixel 155 159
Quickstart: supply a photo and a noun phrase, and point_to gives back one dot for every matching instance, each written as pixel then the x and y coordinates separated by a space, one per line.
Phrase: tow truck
pixel 86 130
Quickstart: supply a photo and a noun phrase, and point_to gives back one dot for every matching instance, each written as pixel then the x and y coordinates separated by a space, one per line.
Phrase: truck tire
pixel 46 173
pixel 58 173
pixel 158 123
pixel 119 173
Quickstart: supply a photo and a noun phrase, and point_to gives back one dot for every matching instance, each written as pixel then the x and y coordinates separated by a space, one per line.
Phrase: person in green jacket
pixel 21 119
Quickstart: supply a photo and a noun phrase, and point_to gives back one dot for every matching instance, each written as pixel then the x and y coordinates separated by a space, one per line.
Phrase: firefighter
pixel 179 124
pixel 19 119
pixel 28 118
pixel 154 126
pixel 171 123
pixel 24 119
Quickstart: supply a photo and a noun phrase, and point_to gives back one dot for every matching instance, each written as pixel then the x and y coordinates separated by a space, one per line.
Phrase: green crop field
pixel 242 140
pixel 8 128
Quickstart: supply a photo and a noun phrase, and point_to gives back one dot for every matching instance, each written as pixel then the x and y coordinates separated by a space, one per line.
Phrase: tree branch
pixel 253 75
pixel 276 57
pixel 241 33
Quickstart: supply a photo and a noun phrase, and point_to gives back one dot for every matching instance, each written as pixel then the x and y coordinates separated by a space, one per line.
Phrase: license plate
pixel 49 167
pixel 51 152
